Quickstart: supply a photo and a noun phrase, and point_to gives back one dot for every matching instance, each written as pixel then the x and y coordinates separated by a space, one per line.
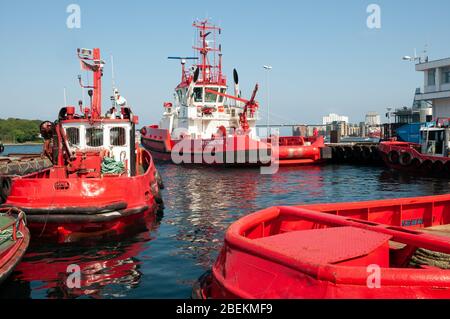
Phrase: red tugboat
pixel 101 181
pixel 430 157
pixel 384 249
pixel 14 240
pixel 205 125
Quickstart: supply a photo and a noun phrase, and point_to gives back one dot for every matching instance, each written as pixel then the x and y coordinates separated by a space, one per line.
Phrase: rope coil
pixel 111 166
pixel 425 257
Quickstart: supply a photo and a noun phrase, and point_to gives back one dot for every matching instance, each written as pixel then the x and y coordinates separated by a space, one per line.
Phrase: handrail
pixel 15 222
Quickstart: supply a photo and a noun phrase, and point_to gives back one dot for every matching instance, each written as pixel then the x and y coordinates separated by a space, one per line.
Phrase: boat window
pixel 73 136
pixel 180 95
pixel 432 135
pixel 117 136
pixel 198 94
pixel 211 97
pixel 221 98
pixel 94 137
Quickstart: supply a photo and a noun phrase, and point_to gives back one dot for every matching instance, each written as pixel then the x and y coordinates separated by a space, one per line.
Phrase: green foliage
pixel 19 131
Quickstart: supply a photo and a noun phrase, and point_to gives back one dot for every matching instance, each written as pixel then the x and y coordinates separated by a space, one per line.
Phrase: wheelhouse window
pixel 221 98
pixel 180 95
pixel 94 137
pixel 73 136
pixel 117 136
pixel 211 97
pixel 198 94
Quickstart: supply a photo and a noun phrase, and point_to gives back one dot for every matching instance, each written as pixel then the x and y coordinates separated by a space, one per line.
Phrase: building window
pixel 117 136
pixel 446 75
pixel 431 77
pixel 94 137
pixel 73 136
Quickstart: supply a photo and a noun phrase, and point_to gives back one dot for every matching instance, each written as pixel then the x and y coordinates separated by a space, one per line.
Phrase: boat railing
pixel 15 223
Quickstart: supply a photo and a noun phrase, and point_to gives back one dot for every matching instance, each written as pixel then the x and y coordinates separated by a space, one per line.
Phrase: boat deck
pixel 6 240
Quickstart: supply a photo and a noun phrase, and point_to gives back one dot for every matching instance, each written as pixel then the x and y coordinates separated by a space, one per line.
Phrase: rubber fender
pixel 405 159
pixel 393 157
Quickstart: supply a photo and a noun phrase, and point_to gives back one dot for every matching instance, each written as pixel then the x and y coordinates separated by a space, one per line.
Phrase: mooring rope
pixel 425 257
pixel 7 234
pixel 111 166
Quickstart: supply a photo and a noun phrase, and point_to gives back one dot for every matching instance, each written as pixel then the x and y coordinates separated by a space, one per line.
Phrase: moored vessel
pixel 386 249
pixel 428 157
pixel 101 181
pixel 206 125
pixel 14 240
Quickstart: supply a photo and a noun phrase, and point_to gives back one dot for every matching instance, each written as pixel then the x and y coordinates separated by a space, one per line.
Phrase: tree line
pixel 14 130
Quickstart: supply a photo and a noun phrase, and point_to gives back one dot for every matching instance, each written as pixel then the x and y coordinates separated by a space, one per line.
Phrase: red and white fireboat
pixel 101 181
pixel 205 125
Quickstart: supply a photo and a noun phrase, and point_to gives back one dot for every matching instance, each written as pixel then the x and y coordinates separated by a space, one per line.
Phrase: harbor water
pixel 164 260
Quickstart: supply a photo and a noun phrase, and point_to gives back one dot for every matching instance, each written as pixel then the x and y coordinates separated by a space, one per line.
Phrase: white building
pixel 373 119
pixel 330 118
pixel 436 86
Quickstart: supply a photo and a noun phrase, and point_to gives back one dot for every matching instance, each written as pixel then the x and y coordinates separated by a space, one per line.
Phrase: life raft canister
pixel 405 159
pixel 393 157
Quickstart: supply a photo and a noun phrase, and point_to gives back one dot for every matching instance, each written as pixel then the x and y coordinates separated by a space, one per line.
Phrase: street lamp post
pixel 268 68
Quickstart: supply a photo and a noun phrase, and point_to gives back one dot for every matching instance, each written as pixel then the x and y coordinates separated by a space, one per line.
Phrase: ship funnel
pixel 236 83
pixel 196 74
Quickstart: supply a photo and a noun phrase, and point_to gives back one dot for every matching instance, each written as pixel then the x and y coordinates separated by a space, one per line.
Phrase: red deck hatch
pixel 349 245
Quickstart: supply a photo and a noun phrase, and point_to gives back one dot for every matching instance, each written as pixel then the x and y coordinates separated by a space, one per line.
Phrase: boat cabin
pixel 112 139
pixel 435 140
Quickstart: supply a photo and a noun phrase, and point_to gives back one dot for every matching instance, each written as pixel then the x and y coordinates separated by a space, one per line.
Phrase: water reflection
pixel 164 260
pixel 109 268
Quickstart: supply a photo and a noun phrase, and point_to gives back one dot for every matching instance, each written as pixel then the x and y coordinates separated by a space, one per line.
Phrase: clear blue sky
pixel 324 57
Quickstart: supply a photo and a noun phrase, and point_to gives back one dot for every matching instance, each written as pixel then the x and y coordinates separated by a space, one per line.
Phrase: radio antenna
pixel 112 72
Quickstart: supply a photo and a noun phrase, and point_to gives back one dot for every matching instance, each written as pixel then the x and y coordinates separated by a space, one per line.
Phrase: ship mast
pixel 96 68
pixel 211 73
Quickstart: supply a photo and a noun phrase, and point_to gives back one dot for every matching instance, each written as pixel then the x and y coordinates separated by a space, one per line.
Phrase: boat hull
pixel 10 257
pixel 263 258
pixel 404 156
pixel 238 150
pixel 63 209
